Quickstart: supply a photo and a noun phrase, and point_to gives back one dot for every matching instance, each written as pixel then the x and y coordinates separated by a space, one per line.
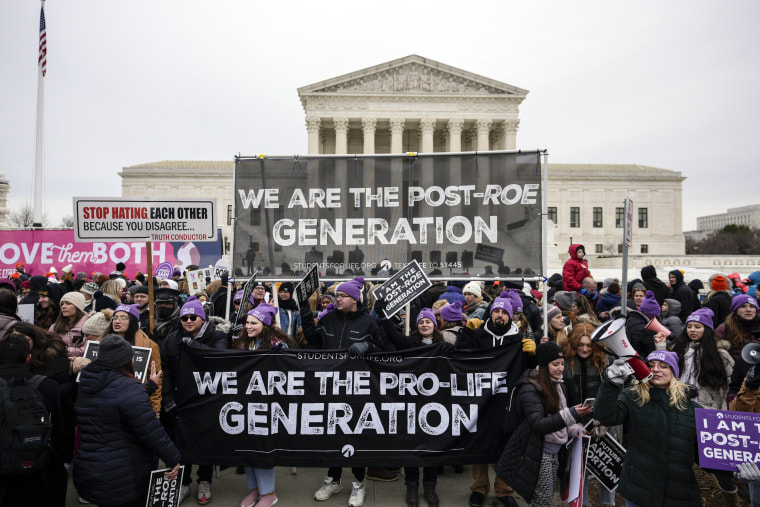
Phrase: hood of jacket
pixel 674 308
pixel 754 277
pixel 573 249
pixel 96 377
pixel 648 272
pixel 678 275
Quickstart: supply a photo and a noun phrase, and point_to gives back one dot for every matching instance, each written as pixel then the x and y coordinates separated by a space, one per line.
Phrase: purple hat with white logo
pixel 666 356
pixel 264 312
pixel 742 299
pixel 702 316
pixel 426 313
pixel 503 302
pixel 193 307
pixel 130 309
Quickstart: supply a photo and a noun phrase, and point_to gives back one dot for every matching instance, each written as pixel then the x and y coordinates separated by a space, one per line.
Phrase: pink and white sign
pixel 39 250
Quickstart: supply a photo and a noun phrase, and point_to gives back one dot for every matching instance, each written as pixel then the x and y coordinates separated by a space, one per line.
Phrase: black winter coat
pixel 208 337
pixel 720 304
pixel 521 459
pixel 685 295
pixel 640 337
pixel 120 438
pixel 339 330
pixel 657 470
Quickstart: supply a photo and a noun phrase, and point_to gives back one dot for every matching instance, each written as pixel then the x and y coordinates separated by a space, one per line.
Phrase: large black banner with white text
pixel 363 212
pixel 426 406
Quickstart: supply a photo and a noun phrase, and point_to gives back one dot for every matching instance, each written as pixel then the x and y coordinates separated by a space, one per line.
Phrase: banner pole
pixel 151 304
pixel 544 239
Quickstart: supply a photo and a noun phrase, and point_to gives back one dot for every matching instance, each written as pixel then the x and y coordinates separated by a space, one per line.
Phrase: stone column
pixel 368 128
pixel 312 127
pixel 511 134
pixel 341 135
pixel 427 127
pixel 397 133
pixel 499 138
pixel 484 128
pixel 455 135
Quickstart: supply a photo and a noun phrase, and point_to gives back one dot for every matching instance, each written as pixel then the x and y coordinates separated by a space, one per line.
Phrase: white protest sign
pixel 120 219
pixel 196 280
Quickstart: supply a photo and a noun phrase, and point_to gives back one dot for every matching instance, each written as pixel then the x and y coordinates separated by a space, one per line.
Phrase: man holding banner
pixel 348 326
pixel 498 331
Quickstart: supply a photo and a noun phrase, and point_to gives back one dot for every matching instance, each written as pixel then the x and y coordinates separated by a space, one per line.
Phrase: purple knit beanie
pixel 666 356
pixel 264 312
pixel 238 295
pixel 452 312
pixel 740 300
pixel 514 298
pixel 702 316
pixel 503 302
pixel 427 313
pixel 130 309
pixel 650 306
pixel 193 307
pixel 353 288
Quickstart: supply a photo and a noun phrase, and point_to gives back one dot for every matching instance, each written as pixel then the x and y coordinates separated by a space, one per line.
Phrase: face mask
pixel 164 313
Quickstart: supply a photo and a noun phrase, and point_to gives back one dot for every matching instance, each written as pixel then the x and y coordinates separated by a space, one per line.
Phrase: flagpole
pixel 39 163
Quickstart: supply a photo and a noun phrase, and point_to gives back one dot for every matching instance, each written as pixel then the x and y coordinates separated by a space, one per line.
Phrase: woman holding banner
pixel 258 333
pixel 662 433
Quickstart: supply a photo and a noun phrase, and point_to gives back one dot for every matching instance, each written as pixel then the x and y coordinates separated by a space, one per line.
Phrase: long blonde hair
pixel 677 391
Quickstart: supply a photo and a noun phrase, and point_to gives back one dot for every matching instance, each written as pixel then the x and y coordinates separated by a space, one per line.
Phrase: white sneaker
pixel 328 489
pixel 184 492
pixel 204 493
pixel 357 495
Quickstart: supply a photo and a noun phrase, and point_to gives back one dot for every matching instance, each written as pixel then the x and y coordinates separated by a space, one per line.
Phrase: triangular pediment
pixel 412 75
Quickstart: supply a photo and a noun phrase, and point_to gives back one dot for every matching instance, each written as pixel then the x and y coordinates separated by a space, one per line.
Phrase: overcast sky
pixel 665 84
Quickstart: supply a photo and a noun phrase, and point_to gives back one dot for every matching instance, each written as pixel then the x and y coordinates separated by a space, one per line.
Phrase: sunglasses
pixel 191 318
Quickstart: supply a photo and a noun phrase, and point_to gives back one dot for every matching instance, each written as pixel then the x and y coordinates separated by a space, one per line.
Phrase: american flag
pixel 43 43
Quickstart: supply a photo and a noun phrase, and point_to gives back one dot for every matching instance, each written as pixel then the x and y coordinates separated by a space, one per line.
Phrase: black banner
pixel 353 212
pixel 426 406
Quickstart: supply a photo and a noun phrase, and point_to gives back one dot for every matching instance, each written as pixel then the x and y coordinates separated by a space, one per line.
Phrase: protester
pixel 259 333
pixel 498 331
pixel 748 400
pixel 651 282
pixel 475 304
pixel 167 314
pixel 638 293
pixel 584 312
pixel 610 299
pixel 126 324
pixel 740 328
pixel 575 268
pixel 718 299
pixel 558 327
pixel 452 319
pixel 680 291
pixel 88 289
pixel 290 318
pixel 119 433
pixel 8 309
pixel 196 331
pixel 47 486
pixel 642 339
pixel 453 294
pixel 670 310
pixel 584 366
pixel 347 326
pixel 69 323
pixel 661 422
pixel 46 309
pixel 533 449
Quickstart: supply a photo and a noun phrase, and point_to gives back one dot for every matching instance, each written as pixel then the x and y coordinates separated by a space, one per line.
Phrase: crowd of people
pixel 110 429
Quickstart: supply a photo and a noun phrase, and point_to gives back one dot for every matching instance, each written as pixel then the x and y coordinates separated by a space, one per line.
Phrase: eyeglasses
pixel 342 296
pixel 191 318
pixel 121 318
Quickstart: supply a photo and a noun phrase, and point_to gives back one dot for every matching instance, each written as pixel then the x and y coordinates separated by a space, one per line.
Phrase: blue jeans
pixel 429 474
pixel 754 493
pixel 606 497
pixel 262 478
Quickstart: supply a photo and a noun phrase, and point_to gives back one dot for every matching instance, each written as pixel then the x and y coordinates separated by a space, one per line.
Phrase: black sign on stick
pixel 402 288
pixel 163 492
pixel 490 254
pixel 247 291
pixel 604 459
pixel 141 355
pixel 307 286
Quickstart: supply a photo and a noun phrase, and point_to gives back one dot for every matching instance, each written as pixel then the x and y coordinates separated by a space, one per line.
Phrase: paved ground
pixel 298 490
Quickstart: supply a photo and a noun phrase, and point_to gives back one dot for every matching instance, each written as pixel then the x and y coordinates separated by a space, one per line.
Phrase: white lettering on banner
pixel 340 418
pixel 359 231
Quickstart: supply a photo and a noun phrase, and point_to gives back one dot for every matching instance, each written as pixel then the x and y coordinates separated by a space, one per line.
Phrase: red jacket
pixel 574 270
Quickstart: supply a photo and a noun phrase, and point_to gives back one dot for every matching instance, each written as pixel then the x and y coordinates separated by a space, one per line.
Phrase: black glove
pixel 753 379
pixel 379 307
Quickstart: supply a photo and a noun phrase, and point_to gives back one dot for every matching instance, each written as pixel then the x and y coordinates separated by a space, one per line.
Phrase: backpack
pixel 25 426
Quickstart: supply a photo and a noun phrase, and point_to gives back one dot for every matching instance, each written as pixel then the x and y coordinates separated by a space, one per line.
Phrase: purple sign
pixel 727 438
pixel 164 270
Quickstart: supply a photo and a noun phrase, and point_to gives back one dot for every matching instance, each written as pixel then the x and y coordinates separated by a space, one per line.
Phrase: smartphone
pixel 589 402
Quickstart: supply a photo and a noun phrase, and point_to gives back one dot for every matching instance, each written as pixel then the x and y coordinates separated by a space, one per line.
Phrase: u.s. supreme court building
pixel 414 104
